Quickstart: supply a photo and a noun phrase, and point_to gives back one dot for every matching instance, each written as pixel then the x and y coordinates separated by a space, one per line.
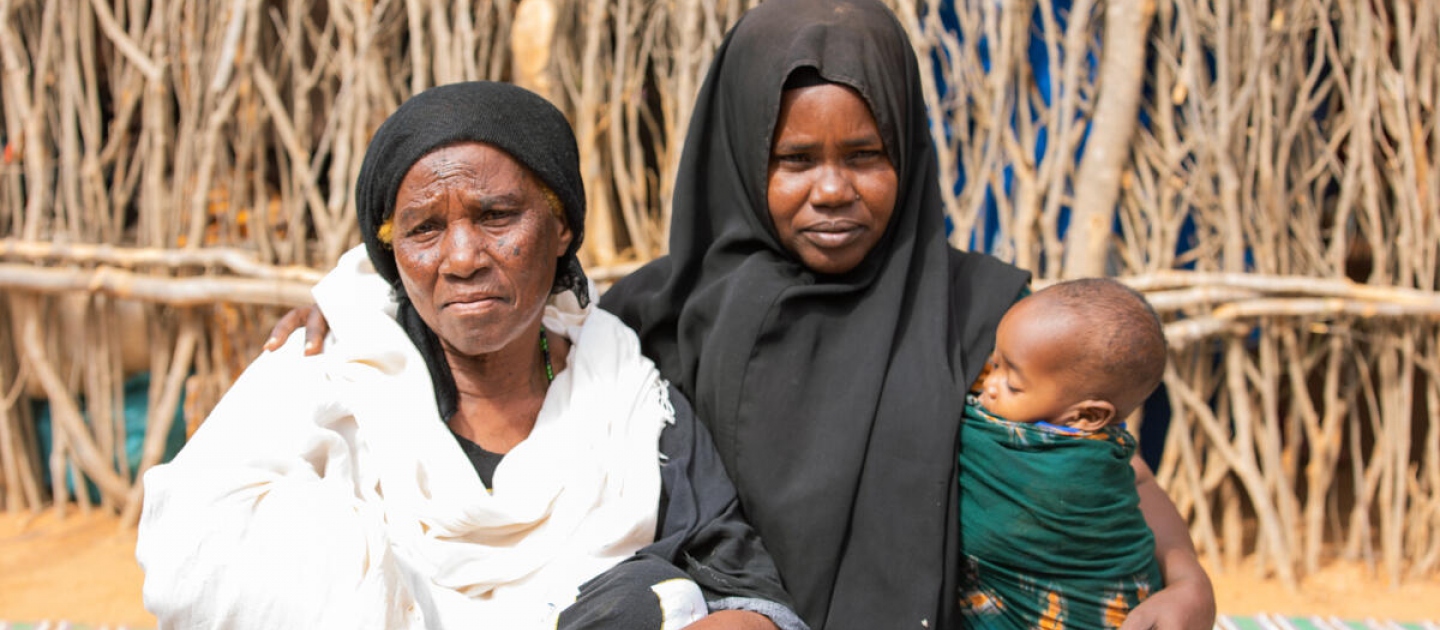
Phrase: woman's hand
pixel 315 329
pixel 734 620
pixel 1188 600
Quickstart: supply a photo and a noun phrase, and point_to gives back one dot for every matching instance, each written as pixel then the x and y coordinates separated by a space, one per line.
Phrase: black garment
pixel 701 534
pixel 621 599
pixel 834 401
pixel 701 528
pixel 484 461
pixel 520 123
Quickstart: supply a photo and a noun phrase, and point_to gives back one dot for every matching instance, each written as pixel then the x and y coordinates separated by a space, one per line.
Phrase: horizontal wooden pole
pixel 185 291
pixel 237 261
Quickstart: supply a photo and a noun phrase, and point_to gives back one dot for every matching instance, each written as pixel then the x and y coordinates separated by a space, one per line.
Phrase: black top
pixel 484 461
pixel 834 401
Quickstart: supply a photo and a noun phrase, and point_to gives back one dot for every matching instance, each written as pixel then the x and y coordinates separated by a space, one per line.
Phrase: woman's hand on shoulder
pixel 311 319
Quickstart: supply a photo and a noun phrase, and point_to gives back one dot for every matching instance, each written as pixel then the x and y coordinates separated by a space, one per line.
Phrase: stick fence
pixel 176 173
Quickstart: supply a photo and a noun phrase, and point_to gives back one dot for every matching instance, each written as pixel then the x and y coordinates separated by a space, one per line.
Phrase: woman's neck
pixel 500 394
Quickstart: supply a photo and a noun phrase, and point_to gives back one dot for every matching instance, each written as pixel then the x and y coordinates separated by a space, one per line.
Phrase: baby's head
pixel 1082 354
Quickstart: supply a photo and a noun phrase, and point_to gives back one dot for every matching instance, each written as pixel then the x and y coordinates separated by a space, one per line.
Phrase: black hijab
pixel 834 401
pixel 510 118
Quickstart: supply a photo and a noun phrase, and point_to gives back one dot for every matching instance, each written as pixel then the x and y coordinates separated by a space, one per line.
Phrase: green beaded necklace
pixel 545 350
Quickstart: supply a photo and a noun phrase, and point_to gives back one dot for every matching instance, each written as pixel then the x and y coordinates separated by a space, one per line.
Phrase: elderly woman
pixel 485 449
pixel 812 309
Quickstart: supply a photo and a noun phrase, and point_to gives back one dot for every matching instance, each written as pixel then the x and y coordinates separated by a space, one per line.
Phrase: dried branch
pixel 232 260
pixel 1097 180
pixel 119 283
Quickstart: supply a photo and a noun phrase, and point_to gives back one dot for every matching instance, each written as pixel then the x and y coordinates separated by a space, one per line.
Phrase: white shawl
pixel 325 491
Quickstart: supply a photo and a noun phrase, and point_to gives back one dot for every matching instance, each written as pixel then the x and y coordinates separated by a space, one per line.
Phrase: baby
pixel 1052 533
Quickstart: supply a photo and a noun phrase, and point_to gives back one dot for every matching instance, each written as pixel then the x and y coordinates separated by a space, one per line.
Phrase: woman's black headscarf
pixel 834 401
pixel 510 118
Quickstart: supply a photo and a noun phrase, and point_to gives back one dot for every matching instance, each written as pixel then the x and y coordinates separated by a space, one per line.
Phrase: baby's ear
pixel 1092 414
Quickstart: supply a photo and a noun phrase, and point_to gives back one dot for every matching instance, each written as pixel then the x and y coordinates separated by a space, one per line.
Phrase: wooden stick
pixel 174 291
pixel 235 261
pixel 1097 178
pixel 124 43
pixel 64 412
pixel 162 412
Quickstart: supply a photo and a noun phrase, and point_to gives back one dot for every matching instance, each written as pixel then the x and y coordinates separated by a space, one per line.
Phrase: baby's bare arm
pixel 1188 600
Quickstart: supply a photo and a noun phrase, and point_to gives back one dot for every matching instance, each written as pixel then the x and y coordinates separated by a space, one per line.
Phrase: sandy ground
pixel 82 569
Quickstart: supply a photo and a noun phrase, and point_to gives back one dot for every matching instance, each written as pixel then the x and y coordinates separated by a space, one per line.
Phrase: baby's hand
pixel 1175 607
pixel 315 329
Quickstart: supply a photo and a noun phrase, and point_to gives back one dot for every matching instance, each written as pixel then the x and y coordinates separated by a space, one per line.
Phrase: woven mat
pixel 58 625
pixel 1278 622
pixel 1225 622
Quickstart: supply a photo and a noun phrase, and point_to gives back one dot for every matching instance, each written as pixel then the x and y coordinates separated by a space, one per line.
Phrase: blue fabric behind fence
pixel 137 391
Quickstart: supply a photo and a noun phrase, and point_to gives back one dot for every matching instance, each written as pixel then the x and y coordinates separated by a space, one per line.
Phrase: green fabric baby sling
pixel 1051 530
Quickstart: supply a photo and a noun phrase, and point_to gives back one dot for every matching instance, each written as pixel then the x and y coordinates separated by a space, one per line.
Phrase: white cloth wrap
pixel 325 492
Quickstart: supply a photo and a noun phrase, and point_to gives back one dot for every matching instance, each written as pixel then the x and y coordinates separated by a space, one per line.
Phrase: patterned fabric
pixel 1052 533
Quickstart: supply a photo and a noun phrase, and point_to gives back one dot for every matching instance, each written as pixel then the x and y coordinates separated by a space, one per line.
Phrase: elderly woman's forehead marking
pixel 443 163
pixel 468 157
pixel 494 177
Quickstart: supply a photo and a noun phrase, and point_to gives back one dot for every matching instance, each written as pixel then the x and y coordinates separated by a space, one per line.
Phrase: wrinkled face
pixel 831 186
pixel 477 246
pixel 1029 379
